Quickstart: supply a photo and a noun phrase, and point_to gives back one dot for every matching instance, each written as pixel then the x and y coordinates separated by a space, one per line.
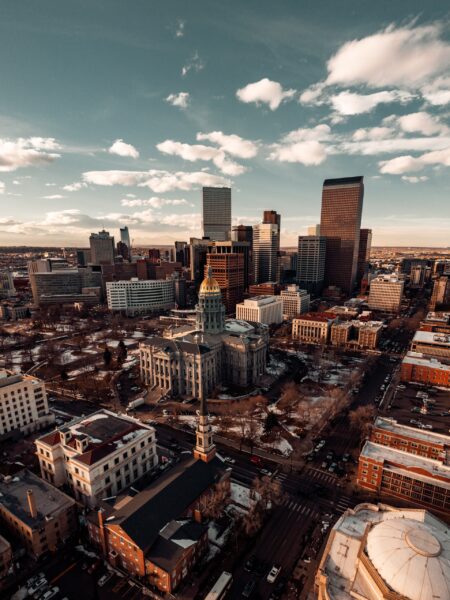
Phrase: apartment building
pixel 262 309
pixel 386 293
pixel 136 297
pixel 23 404
pixel 39 515
pixel 407 463
pixel 313 328
pixel 431 344
pixel 369 334
pixel 364 335
pixel 97 456
pixel 419 368
pixel 5 557
pixel 295 301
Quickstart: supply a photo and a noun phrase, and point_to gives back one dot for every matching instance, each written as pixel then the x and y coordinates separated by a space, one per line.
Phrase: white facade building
pixel 312 328
pixel 295 301
pixel 97 456
pixel 23 403
pixel 386 292
pixel 140 296
pixel 261 309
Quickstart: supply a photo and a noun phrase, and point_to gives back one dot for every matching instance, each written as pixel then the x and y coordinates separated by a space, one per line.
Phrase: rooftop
pixel 431 337
pixel 321 317
pixel 263 300
pixel 344 181
pixel 11 378
pixel 421 360
pixel 49 500
pixel 419 434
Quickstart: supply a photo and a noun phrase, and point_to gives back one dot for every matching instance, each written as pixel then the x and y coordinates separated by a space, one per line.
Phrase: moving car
pixel 274 572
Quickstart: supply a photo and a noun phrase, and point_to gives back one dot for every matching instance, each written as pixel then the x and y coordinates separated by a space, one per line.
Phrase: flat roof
pixel 432 337
pixel 420 434
pixel 382 453
pixel 49 500
pixel 343 181
pixel 420 360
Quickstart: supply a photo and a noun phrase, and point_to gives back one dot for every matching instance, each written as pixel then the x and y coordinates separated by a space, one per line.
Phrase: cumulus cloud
pixel 349 103
pixel 27 152
pixel 54 197
pixel 153 202
pixel 181 99
pixel 307 153
pixel 232 144
pixel 194 152
pixel 410 164
pixel 179 31
pixel 121 148
pixel 437 93
pixel 2 187
pixel 421 122
pixel 373 133
pixel 265 91
pixel 74 187
pixel 320 132
pixel 159 181
pixel 406 56
pixel 414 179
pixel 195 63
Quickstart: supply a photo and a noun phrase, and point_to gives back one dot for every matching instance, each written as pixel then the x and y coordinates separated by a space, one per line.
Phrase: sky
pixel 117 112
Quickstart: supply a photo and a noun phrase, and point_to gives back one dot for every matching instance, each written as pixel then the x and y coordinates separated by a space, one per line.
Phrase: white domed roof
pixel 412 557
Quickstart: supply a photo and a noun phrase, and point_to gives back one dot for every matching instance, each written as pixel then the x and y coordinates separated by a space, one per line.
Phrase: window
pixel 116 461
pixel 105 467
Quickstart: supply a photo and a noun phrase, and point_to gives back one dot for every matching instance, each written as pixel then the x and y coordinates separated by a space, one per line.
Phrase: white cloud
pixel 232 144
pixel 179 31
pixel 50 184
pixel 349 103
pixel 414 179
pixel 194 152
pixel 421 122
pixel 437 93
pixel 53 197
pixel 373 133
pixel 159 181
pixel 265 91
pixel 27 152
pixel 320 132
pixel 153 202
pixel 181 99
pixel 2 187
pixel 308 153
pixel 194 64
pixel 406 56
pixel 74 187
pixel 121 148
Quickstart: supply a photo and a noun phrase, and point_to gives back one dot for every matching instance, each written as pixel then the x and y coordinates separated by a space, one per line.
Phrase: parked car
pixel 249 588
pixel 346 457
pixel 230 460
pixel 274 572
pixel 104 578
pixel 36 586
pixel 324 465
pixel 332 467
pixel 50 593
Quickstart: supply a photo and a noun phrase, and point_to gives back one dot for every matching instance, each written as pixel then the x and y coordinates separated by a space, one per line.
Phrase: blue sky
pixel 116 112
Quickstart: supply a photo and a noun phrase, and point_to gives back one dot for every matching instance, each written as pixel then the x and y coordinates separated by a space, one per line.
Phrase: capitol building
pixel 378 552
pixel 192 361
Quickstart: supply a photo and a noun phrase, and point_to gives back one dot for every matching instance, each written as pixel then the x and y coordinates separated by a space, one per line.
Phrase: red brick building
pixel 422 369
pixel 407 463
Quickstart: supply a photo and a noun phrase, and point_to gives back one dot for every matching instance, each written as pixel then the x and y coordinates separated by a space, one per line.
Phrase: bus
pixel 221 587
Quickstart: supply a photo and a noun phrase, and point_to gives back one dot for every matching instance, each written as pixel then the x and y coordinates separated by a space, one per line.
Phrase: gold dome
pixel 209 285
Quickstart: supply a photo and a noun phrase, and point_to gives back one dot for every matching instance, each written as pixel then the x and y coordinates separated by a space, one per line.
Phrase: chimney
pixel 31 503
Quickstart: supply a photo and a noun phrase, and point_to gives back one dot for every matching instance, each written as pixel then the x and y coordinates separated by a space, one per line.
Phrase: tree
pixel 121 352
pixel 107 356
pixel 271 421
pixel 361 420
pixel 290 395
pixel 213 503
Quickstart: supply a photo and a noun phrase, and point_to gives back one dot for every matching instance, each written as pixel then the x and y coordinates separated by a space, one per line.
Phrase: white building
pixel 97 456
pixel 261 309
pixel 140 296
pixel 23 403
pixel 386 292
pixel 295 301
pixel 377 552
pixel 312 328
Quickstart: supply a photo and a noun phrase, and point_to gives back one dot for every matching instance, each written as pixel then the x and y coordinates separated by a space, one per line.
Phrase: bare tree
pixel 213 504
pixel 361 420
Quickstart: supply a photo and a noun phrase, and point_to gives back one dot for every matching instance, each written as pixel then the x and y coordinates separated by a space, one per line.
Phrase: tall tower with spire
pixel 210 312
pixel 204 443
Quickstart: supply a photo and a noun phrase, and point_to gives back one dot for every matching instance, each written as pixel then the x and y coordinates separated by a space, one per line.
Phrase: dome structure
pixel 412 557
pixel 210 312
pixel 209 286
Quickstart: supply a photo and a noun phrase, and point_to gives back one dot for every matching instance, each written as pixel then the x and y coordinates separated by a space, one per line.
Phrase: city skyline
pixel 119 118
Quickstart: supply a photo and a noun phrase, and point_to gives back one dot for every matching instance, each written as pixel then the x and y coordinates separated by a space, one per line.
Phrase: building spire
pixel 204 443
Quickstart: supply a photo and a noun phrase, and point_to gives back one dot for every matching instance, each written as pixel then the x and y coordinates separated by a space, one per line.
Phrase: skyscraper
pixel 102 248
pixel 313 230
pixel 311 263
pixel 228 271
pixel 217 213
pixel 340 222
pixel 125 237
pixel 232 247
pixel 365 243
pixel 266 246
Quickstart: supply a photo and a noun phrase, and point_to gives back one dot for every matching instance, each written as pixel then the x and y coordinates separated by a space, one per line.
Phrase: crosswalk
pixel 301 509
pixel 343 503
pixel 322 476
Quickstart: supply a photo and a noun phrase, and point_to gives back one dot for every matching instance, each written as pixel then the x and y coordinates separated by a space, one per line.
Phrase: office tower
pixel 440 296
pixel 386 293
pixel 102 248
pixel 125 237
pixel 123 250
pixel 242 233
pixel 136 297
pixel 313 230
pixel 217 213
pixel 46 265
pixel 7 288
pixel 198 249
pixel 180 291
pixel 64 286
pixel 261 309
pixel 228 271
pixel 231 247
pixel 365 244
pixel 154 254
pixel 83 257
pixel 266 247
pixel 181 253
pixel 340 222
pixel 295 301
pixel 311 263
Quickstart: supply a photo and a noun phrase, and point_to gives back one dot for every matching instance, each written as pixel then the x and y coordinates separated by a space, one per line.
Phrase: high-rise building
pixel 64 286
pixel 123 250
pixel 228 271
pixel 102 248
pixel 261 309
pixel 125 237
pixel 232 247
pixel 266 246
pixel 313 230
pixel 182 253
pixel 242 233
pixel 7 288
pixel 441 292
pixel 198 249
pixel 340 222
pixel 311 263
pixel 135 297
pixel 386 293
pixel 295 301
pixel 365 244
pixel 217 213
